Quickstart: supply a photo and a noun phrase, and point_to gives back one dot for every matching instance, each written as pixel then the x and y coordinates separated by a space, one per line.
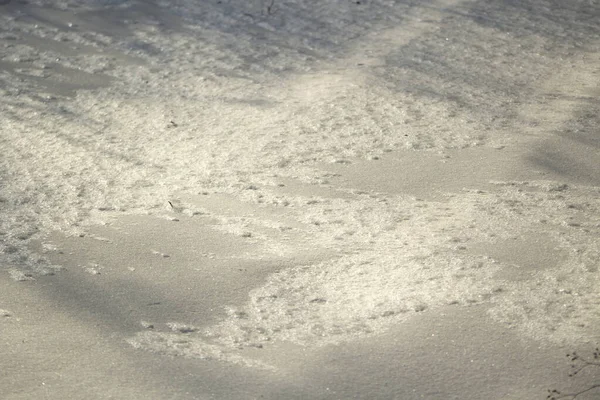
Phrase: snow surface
pixel 418 141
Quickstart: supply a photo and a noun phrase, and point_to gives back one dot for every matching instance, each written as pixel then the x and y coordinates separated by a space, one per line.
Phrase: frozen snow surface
pixel 306 113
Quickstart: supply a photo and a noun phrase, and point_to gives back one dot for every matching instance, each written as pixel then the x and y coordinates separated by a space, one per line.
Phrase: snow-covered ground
pixel 299 183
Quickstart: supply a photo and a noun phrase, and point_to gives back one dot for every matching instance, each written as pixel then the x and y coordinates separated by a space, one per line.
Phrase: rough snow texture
pixel 120 106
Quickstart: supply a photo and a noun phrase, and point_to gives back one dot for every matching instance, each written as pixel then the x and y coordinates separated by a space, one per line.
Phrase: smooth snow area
pixel 395 199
